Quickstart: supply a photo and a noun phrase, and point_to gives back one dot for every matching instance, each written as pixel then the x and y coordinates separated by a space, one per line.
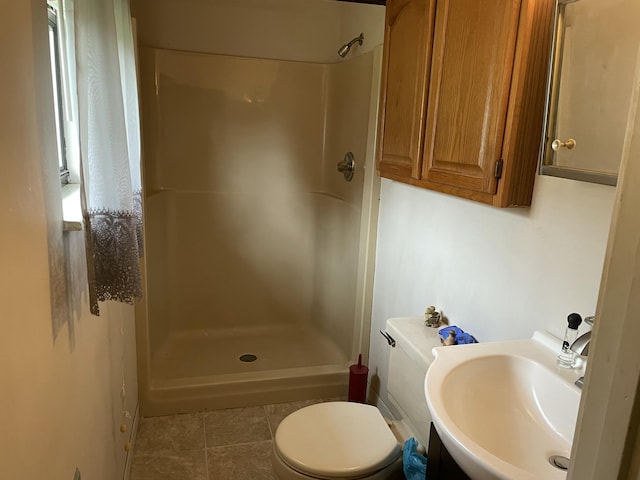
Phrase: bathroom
pixel 499 273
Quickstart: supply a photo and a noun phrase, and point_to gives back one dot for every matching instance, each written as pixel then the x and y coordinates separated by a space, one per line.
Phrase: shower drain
pixel 559 461
pixel 248 357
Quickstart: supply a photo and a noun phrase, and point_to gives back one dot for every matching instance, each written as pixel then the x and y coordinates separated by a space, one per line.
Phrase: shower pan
pixel 258 255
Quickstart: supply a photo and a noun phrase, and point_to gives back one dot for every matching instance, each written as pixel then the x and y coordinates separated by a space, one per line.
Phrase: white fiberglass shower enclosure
pixel 258 252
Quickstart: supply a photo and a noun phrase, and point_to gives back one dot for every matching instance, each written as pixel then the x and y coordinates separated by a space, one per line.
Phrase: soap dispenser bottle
pixel 567 357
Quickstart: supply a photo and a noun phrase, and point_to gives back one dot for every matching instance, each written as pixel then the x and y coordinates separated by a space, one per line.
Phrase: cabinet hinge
pixel 497 172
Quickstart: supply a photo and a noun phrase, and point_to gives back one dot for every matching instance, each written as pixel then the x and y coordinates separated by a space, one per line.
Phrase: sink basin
pixel 503 409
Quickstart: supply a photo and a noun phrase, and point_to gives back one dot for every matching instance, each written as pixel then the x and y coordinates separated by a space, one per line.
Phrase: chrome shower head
pixel 344 49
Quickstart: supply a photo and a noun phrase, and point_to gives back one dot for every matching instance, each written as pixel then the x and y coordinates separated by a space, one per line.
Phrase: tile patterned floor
pixel 233 444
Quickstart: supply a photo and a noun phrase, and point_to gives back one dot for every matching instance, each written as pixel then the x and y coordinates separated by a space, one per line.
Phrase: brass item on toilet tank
pixel 432 318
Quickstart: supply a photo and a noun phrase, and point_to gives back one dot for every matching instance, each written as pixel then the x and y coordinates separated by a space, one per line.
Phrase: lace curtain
pixel 108 128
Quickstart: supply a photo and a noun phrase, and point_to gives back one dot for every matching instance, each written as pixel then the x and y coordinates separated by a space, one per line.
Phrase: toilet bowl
pixel 353 441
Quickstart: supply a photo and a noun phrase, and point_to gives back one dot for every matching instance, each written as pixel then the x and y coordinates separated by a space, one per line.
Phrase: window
pixel 54 51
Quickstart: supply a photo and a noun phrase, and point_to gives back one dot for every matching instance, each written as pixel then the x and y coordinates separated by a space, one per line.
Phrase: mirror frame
pixel 547 166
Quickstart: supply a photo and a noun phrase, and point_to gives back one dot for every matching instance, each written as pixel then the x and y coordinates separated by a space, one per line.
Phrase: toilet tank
pixel 408 364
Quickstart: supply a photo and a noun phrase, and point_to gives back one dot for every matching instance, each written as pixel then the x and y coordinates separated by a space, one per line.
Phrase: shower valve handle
pixel 347 166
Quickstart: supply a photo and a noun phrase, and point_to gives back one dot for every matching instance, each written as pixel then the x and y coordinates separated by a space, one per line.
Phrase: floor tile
pixel 189 465
pixel 277 412
pixel 170 434
pixel 250 461
pixel 236 425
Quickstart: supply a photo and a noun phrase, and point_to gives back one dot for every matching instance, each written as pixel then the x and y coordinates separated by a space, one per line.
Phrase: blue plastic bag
pixel 413 463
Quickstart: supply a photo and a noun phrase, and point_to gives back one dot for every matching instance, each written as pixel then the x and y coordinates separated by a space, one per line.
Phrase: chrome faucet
pixel 581 344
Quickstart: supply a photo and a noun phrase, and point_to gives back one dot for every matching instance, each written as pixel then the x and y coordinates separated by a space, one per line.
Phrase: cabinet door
pixel 405 72
pixel 441 465
pixel 473 57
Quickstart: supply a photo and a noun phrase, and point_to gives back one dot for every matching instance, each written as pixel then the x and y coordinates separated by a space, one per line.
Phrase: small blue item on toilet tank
pixel 461 336
pixel 414 464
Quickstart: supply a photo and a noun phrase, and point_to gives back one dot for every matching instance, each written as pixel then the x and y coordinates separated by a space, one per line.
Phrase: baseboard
pixel 375 399
pixel 132 443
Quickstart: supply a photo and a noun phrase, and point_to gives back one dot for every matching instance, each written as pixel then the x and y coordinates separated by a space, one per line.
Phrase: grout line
pixel 264 408
pixel 240 444
pixel 204 432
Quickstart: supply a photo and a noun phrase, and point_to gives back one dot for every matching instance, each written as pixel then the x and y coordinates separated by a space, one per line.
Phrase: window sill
pixel 71 209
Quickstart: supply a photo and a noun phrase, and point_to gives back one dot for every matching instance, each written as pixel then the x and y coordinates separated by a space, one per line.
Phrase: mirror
pixel 590 83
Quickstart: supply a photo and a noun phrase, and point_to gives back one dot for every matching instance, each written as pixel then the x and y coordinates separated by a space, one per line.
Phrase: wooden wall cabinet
pixel 463 94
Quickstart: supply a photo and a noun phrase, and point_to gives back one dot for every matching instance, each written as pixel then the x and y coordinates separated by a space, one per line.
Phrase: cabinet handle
pixel 557 144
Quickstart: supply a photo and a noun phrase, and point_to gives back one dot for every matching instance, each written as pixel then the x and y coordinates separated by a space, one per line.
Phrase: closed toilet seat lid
pixel 336 440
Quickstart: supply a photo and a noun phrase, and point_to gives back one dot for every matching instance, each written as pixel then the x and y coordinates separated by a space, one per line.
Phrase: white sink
pixel 502 409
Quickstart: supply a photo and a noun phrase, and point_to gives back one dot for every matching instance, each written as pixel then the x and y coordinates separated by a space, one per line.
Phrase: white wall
pixel 61 370
pixel 497 273
pixel 300 30
pixel 359 18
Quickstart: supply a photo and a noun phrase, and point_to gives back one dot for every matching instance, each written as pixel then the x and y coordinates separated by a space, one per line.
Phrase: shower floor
pixel 212 353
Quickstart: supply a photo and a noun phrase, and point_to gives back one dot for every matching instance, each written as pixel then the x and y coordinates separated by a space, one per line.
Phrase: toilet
pixel 349 441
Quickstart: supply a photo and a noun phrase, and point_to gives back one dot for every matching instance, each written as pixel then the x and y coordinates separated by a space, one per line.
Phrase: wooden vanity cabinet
pixel 463 95
pixel 440 463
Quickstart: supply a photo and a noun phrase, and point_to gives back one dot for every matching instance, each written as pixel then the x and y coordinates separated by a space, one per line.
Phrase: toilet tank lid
pixel 336 440
pixel 414 337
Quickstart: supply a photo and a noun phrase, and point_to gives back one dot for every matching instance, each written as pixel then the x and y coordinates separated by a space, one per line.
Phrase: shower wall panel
pixel 159 213
pixel 238 147
pixel 338 211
